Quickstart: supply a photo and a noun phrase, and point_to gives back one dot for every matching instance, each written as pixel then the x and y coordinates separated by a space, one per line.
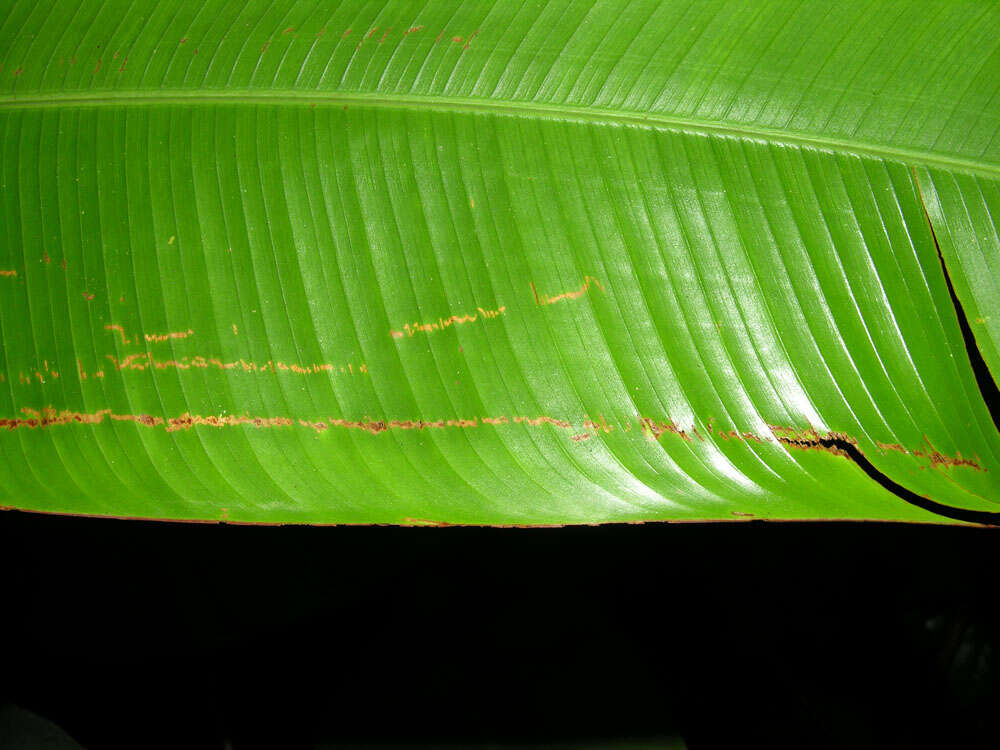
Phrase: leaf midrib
pixel 512 108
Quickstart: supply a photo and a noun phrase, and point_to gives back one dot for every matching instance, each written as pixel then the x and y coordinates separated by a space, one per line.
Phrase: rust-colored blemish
pixel 413 30
pixel 187 421
pixel 8 273
pixel 37 375
pixel 939 459
pixel 809 444
pixel 88 296
pixel 542 299
pixel 152 338
pixel 652 429
pixel 120 330
pixel 367 425
pixel 534 422
pixel 425 522
pixel 147 361
pixel 890 446
pixel 317 426
pixel 443 323
pixel 49 417
pixel 599 425
pixel 161 337
pixel 836 443
pixel 810 439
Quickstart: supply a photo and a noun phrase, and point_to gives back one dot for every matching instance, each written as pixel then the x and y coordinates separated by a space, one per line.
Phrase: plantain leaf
pixel 499 263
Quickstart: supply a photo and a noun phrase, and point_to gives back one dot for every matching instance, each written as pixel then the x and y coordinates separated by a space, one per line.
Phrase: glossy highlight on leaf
pixel 494 263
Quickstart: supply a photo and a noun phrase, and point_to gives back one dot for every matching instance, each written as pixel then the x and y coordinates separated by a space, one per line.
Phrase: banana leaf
pixel 304 261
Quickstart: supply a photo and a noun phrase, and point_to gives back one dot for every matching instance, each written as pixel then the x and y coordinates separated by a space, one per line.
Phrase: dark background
pixel 144 634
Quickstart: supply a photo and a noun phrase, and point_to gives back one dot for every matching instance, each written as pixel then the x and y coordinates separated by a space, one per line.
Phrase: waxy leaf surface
pixel 499 262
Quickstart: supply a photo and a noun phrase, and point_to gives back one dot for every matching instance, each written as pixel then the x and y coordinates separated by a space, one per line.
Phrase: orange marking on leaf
pixel 161 337
pixel 443 323
pixel 890 446
pixel 116 327
pixel 542 299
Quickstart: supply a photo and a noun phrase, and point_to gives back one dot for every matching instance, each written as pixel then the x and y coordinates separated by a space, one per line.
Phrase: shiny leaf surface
pixel 488 262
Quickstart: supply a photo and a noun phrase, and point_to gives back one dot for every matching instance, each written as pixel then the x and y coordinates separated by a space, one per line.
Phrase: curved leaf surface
pixel 497 263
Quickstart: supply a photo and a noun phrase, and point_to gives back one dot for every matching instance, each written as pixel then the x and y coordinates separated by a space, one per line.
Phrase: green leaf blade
pixel 500 283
